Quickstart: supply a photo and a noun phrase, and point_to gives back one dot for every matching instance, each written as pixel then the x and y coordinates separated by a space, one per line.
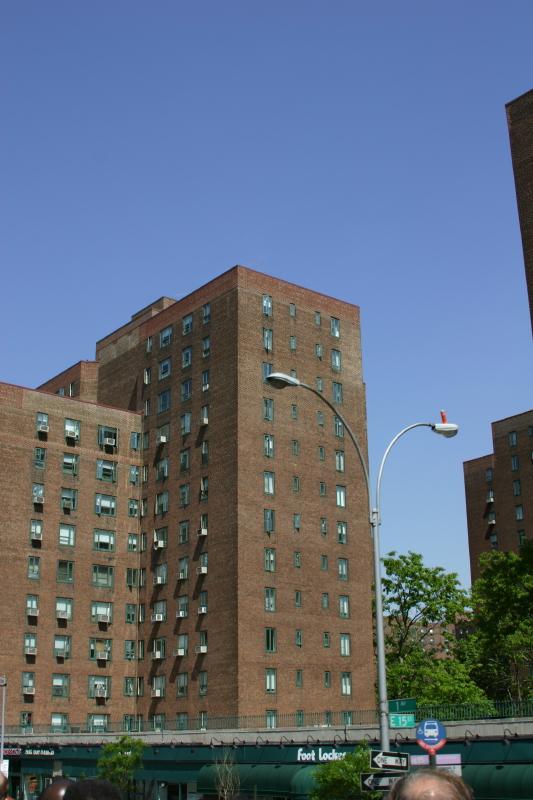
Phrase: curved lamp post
pixel 280 380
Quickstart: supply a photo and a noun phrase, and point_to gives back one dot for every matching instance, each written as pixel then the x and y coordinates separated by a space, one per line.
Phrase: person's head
pixel 3 785
pixel 56 789
pixel 93 789
pixel 430 784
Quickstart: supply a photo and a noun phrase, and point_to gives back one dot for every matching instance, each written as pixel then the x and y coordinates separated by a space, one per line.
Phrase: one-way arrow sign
pixel 378 780
pixel 380 759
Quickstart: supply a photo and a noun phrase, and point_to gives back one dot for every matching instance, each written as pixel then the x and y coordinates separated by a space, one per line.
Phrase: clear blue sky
pixel 357 148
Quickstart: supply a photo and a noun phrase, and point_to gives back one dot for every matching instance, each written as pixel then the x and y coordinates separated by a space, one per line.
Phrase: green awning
pixel 501 782
pixel 273 779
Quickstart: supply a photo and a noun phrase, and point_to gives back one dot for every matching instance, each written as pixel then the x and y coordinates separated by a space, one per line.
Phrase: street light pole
pixel 3 686
pixel 280 380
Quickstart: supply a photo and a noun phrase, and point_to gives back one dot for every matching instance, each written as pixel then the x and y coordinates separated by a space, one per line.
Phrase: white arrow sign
pixel 377 780
pixel 383 760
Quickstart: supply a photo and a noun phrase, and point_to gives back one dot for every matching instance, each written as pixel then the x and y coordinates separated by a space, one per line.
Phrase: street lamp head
pixel 279 380
pixel 445 428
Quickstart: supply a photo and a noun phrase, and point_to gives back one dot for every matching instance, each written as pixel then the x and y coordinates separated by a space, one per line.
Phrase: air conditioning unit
pixel 202 609
pixel 181 651
pixel 182 575
pixel 156 693
pixel 42 427
pixel 38 499
pixel 100 691
pixel 159 580
pixel 205 387
pixel 181 614
pixel 28 690
pixel 202 531
pixel 37 536
pixel 30 651
pixel 102 618
pixel 204 420
pixel 492 522
pixel 156 655
pixel 161 438
pixel 158 544
pixel 158 617
pixel 62 614
pixel 200 648
pixel 102 655
pixel 72 435
pixel 201 570
pixel 67 502
pixel 32 612
pixel 109 441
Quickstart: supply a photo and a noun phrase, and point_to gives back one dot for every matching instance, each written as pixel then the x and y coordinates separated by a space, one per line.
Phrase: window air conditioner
pixel 181 614
pixel 38 498
pixel 202 609
pixel 156 655
pixel 100 691
pixel 158 617
pixel 102 655
pixel 37 536
pixel 30 651
pixel 102 618
pixel 156 693
pixel 181 651
pixel 43 427
pixel 28 690
pixel 161 438
pixel 201 570
pixel 200 648
pixel 62 614
pixel 109 441
pixel 159 580
pixel 202 531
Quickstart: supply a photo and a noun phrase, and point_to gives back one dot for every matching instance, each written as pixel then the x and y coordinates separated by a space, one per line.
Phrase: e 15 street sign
pixel 402 720
pixel 381 759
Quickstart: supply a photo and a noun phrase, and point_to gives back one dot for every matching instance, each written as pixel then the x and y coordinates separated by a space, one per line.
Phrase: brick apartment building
pixel 202 550
pixel 499 490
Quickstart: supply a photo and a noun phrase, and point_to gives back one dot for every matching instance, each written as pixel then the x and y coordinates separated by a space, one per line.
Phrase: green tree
pixel 341 780
pixel 502 640
pixel 119 760
pixel 416 599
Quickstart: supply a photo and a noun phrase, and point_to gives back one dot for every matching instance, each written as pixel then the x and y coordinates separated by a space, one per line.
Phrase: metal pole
pixel 3 684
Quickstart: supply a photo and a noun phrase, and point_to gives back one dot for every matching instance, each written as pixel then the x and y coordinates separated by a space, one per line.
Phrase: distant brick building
pixel 224 533
pixel 499 490
pixel 520 124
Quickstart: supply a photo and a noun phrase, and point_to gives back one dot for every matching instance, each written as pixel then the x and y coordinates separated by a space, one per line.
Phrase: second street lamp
pixel 281 380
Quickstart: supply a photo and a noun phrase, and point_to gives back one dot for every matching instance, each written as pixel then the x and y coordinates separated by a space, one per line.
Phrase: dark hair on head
pixel 55 790
pixel 93 789
pixel 450 786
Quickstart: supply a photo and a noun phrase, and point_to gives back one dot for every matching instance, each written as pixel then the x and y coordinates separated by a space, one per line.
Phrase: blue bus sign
pixel 431 735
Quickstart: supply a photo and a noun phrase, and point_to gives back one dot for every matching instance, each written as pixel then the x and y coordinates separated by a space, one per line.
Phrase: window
pixel 65 571
pixel 105 505
pixel 206 313
pixel 320 418
pixel 165 368
pixel 97 722
pixel 30 644
pixel 183 605
pixel 335 327
pixel 297 559
pixel 515 463
pixel 268 409
pixel 266 369
pixel 62 646
pixel 103 576
pixel 270 640
pixel 146 440
pixel 68 499
pixel 293 344
pixel 134 475
pixel 489 474
pixel 298 638
pixel 129 650
pixel 267 305
pixel 106 470
pixel 133 543
pixel 102 612
pixel 161 467
pixel 37 492
pixel 270 559
pixel 59 722
pixel 204 488
pixel 161 503
pixel 107 436
pixel 186 390
pixel 147 407
pixel 268 482
pixel 298 598
pixel 182 684
pixel 186 357
pixel 294 411
pixel 204 522
pixel 135 440
pixel 318 319
pixel 34 567
pixel 319 384
pixel 204 452
pixel 270 680
pixel 296 522
pixel 205 380
pixel 39 457
pixel 339 460
pixel 295 483
pixel 185 422
pixel 270 599
pixel 345 644
pixel 269 520
pixel 202 601
pixel 323 526
pixel 341 496
pixel 325 600
pixel 271 718
pixel 160 575
pixel 67 534
pixel 336 392
pixel 517 488
pixel 346 683
pixel 519 513
pixel 512 438
pixel 98 686
pixel 32 605
pixel 336 360
pixel 103 540
pixel 100 649
pixel 163 401
pixel 165 336
pixel 268 341
pixel 327 679
pixel 204 415
pixel 186 324
pixel 344 606
pixel 183 531
pixel 64 608
pixel 322 489
pixel 318 351
pixel 131 612
pixel 342 532
pixel 184 495
pixel 521 538
pixel 292 310
pixel 324 562
pixel 147 376
pixel 72 429
pixel 60 685
pixel 338 427
pixel 160 538
pixel 342 568
pixel 268 445
pixel 295 447
pixel 41 422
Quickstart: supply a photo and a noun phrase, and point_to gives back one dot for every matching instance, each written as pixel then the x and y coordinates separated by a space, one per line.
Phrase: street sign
pixel 370 781
pixel 402 706
pixel 402 720
pixel 431 735
pixel 397 762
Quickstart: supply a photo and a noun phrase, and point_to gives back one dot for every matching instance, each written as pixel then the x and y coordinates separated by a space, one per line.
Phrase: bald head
pixel 430 785
pixel 55 790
